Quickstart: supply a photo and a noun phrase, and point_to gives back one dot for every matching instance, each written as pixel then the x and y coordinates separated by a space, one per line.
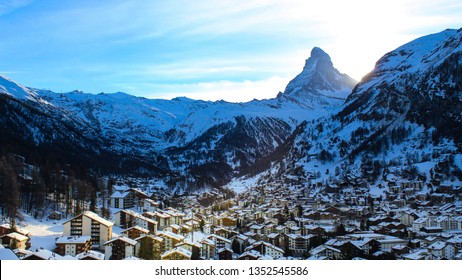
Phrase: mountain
pixel 401 122
pixel 209 142
pixel 319 84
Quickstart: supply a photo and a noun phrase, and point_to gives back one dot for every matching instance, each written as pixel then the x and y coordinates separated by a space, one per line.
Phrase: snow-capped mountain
pixel 207 140
pixel 402 121
pixel 319 84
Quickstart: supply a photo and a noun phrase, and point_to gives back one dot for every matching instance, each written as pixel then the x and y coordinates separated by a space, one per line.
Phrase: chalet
pixel 119 248
pixel 421 254
pixel 21 253
pixel 89 224
pixel 315 230
pixel 135 232
pixel 177 229
pixel 193 247
pixel 15 240
pixel 298 244
pixel 73 245
pixel 258 229
pixel 226 233
pixel 43 254
pixel 128 218
pixel 207 250
pixel 176 217
pixel 225 254
pixel 162 219
pixel 442 250
pixel 55 215
pixel 125 197
pixel 250 255
pixel 456 241
pixel 326 252
pixel 177 254
pixel 122 200
pixel 170 239
pixel 407 218
pixel 90 256
pixel 432 230
pixel 219 241
pixel 150 205
pixel 227 222
pixel 5 229
pixel 350 250
pixel 265 248
pixel 276 239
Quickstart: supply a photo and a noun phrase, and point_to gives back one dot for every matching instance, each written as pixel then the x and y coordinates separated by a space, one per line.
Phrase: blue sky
pixel 210 50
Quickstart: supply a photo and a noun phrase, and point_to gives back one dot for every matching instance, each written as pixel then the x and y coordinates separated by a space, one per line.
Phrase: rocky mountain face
pixel 210 142
pixel 402 121
pixel 319 84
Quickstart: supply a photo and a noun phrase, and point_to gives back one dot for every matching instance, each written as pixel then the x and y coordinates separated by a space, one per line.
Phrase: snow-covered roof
pixel 251 253
pixel 214 236
pixel 154 237
pixel 179 250
pixel 171 235
pixel 98 219
pixel 90 254
pixel 123 239
pixel 417 255
pixel 266 244
pixel 73 239
pixel 439 245
pixel 137 228
pixel 45 255
pixel 17 236
pixel 7 255
pixel 118 194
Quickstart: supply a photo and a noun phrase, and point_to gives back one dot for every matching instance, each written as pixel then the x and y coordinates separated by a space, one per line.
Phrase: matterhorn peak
pixel 317 52
pixel 319 84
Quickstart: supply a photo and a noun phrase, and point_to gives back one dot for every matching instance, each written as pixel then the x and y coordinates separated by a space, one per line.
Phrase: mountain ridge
pixel 182 134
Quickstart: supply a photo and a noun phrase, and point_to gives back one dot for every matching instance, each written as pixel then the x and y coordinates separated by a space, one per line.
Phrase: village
pixel 280 221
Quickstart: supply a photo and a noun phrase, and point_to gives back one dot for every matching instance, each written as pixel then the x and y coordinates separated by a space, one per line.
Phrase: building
pixel 177 254
pixel 119 248
pixel 135 232
pixel 128 218
pixel 171 239
pixel 15 240
pixel 73 245
pixel 89 224
pixel 266 249
pixel 90 256
pixel 124 197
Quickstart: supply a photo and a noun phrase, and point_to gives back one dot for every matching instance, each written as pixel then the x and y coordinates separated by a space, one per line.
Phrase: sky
pixel 210 50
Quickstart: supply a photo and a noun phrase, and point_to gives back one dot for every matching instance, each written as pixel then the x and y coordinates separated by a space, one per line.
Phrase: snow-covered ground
pixel 43 232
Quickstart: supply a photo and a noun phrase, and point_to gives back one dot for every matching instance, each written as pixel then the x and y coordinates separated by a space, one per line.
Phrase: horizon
pixel 232 51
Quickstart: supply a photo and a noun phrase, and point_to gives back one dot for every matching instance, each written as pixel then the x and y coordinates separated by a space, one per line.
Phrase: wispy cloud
pixel 7 6
pixel 96 45
pixel 233 91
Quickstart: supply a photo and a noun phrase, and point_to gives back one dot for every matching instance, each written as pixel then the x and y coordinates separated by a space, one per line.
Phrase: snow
pixel 7 255
pixel 43 232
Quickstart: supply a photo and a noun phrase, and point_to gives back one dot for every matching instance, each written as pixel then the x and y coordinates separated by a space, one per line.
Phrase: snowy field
pixel 43 232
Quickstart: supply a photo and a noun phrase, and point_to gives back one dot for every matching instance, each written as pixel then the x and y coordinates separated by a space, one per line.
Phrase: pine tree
pixel 146 249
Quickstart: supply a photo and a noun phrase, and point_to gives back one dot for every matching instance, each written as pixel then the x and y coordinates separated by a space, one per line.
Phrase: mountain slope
pixel 401 122
pixel 189 138
pixel 319 85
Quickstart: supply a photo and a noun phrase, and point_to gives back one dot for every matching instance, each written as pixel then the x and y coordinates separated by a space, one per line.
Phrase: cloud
pixel 231 91
pixel 8 6
pixel 196 47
